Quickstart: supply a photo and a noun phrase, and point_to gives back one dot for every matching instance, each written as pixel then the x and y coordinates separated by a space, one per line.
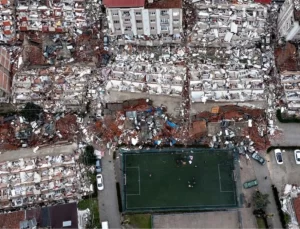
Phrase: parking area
pixel 286 173
pixel 222 219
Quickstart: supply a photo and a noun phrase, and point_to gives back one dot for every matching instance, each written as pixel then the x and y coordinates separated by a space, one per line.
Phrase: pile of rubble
pixel 41 180
pixel 291 204
pixel 138 124
pixel 231 125
pixel 17 132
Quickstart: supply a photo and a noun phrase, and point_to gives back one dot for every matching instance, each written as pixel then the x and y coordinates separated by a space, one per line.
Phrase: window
pixel 164 28
pixel 152 28
pixel 138 21
pixel 139 28
pixel 175 28
pixel 176 20
pixel 126 13
pixel 164 20
pixel 127 19
pixel 152 13
pixel 163 12
pixel 115 14
pixel 118 29
pixel 127 28
pixel 116 22
pixel 138 13
pixel 152 20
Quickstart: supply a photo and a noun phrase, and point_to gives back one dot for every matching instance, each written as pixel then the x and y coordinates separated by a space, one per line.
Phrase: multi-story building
pixel 5 80
pixel 288 20
pixel 144 17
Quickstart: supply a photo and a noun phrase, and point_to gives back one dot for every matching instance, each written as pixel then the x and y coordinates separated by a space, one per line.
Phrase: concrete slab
pixel 222 219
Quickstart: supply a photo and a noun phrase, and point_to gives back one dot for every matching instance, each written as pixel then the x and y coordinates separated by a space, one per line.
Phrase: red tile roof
pixel 11 220
pixel 263 1
pixel 123 3
pixel 297 208
pixel 164 4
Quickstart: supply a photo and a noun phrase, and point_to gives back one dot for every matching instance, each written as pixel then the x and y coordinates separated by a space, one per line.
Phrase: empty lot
pixel 222 219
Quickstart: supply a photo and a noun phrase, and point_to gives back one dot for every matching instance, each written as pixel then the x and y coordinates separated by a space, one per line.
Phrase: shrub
pixel 282 216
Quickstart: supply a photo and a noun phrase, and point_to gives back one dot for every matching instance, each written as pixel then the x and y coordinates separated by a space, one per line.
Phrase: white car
pixel 100 185
pixel 297 156
pixel 278 156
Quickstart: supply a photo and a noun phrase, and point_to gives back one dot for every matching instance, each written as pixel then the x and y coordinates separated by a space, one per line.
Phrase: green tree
pixel 31 112
pixel 88 157
pixel 260 200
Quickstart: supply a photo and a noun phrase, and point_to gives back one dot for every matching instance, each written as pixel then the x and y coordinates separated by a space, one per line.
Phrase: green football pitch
pixel 168 181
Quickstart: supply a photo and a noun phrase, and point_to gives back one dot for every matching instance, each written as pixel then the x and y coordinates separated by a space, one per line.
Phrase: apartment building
pixel 288 20
pixel 5 80
pixel 144 17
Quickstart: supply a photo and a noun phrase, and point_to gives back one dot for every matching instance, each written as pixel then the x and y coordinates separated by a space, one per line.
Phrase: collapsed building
pixel 148 72
pixel 231 44
pixel 287 61
pixel 7 21
pixel 54 88
pixel 30 181
pixel 50 15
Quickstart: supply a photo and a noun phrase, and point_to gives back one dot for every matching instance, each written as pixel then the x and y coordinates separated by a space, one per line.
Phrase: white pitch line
pixel 139 180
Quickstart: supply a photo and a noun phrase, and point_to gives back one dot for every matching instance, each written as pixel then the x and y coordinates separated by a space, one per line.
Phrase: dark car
pixel 98 166
pixel 105 59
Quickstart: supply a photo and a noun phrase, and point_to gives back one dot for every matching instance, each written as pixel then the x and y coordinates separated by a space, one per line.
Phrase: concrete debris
pixel 291 204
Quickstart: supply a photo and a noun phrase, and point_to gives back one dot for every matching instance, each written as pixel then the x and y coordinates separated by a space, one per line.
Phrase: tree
pixel 88 157
pixel 31 112
pixel 260 200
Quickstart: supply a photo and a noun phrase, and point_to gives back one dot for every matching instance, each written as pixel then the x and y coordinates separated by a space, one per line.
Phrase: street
pixel 264 186
pixel 290 135
pixel 108 201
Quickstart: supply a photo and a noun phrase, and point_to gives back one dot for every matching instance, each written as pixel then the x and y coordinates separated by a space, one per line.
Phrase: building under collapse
pixel 7 20
pixel 5 79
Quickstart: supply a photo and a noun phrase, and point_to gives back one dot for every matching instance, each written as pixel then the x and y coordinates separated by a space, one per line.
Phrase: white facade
pixel 141 21
pixel 288 26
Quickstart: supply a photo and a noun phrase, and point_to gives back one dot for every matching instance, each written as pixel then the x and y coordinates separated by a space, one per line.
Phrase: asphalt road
pixel 290 134
pixel 264 186
pixel 287 173
pixel 108 202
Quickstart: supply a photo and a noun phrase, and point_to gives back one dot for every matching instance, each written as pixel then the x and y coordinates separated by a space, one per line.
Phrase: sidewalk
pixel 46 151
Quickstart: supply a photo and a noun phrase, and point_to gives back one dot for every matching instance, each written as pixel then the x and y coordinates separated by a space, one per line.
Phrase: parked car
pixel 105 41
pixel 105 59
pixel 98 166
pixel 250 184
pixel 258 158
pixel 278 156
pixel 297 156
pixel 100 185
